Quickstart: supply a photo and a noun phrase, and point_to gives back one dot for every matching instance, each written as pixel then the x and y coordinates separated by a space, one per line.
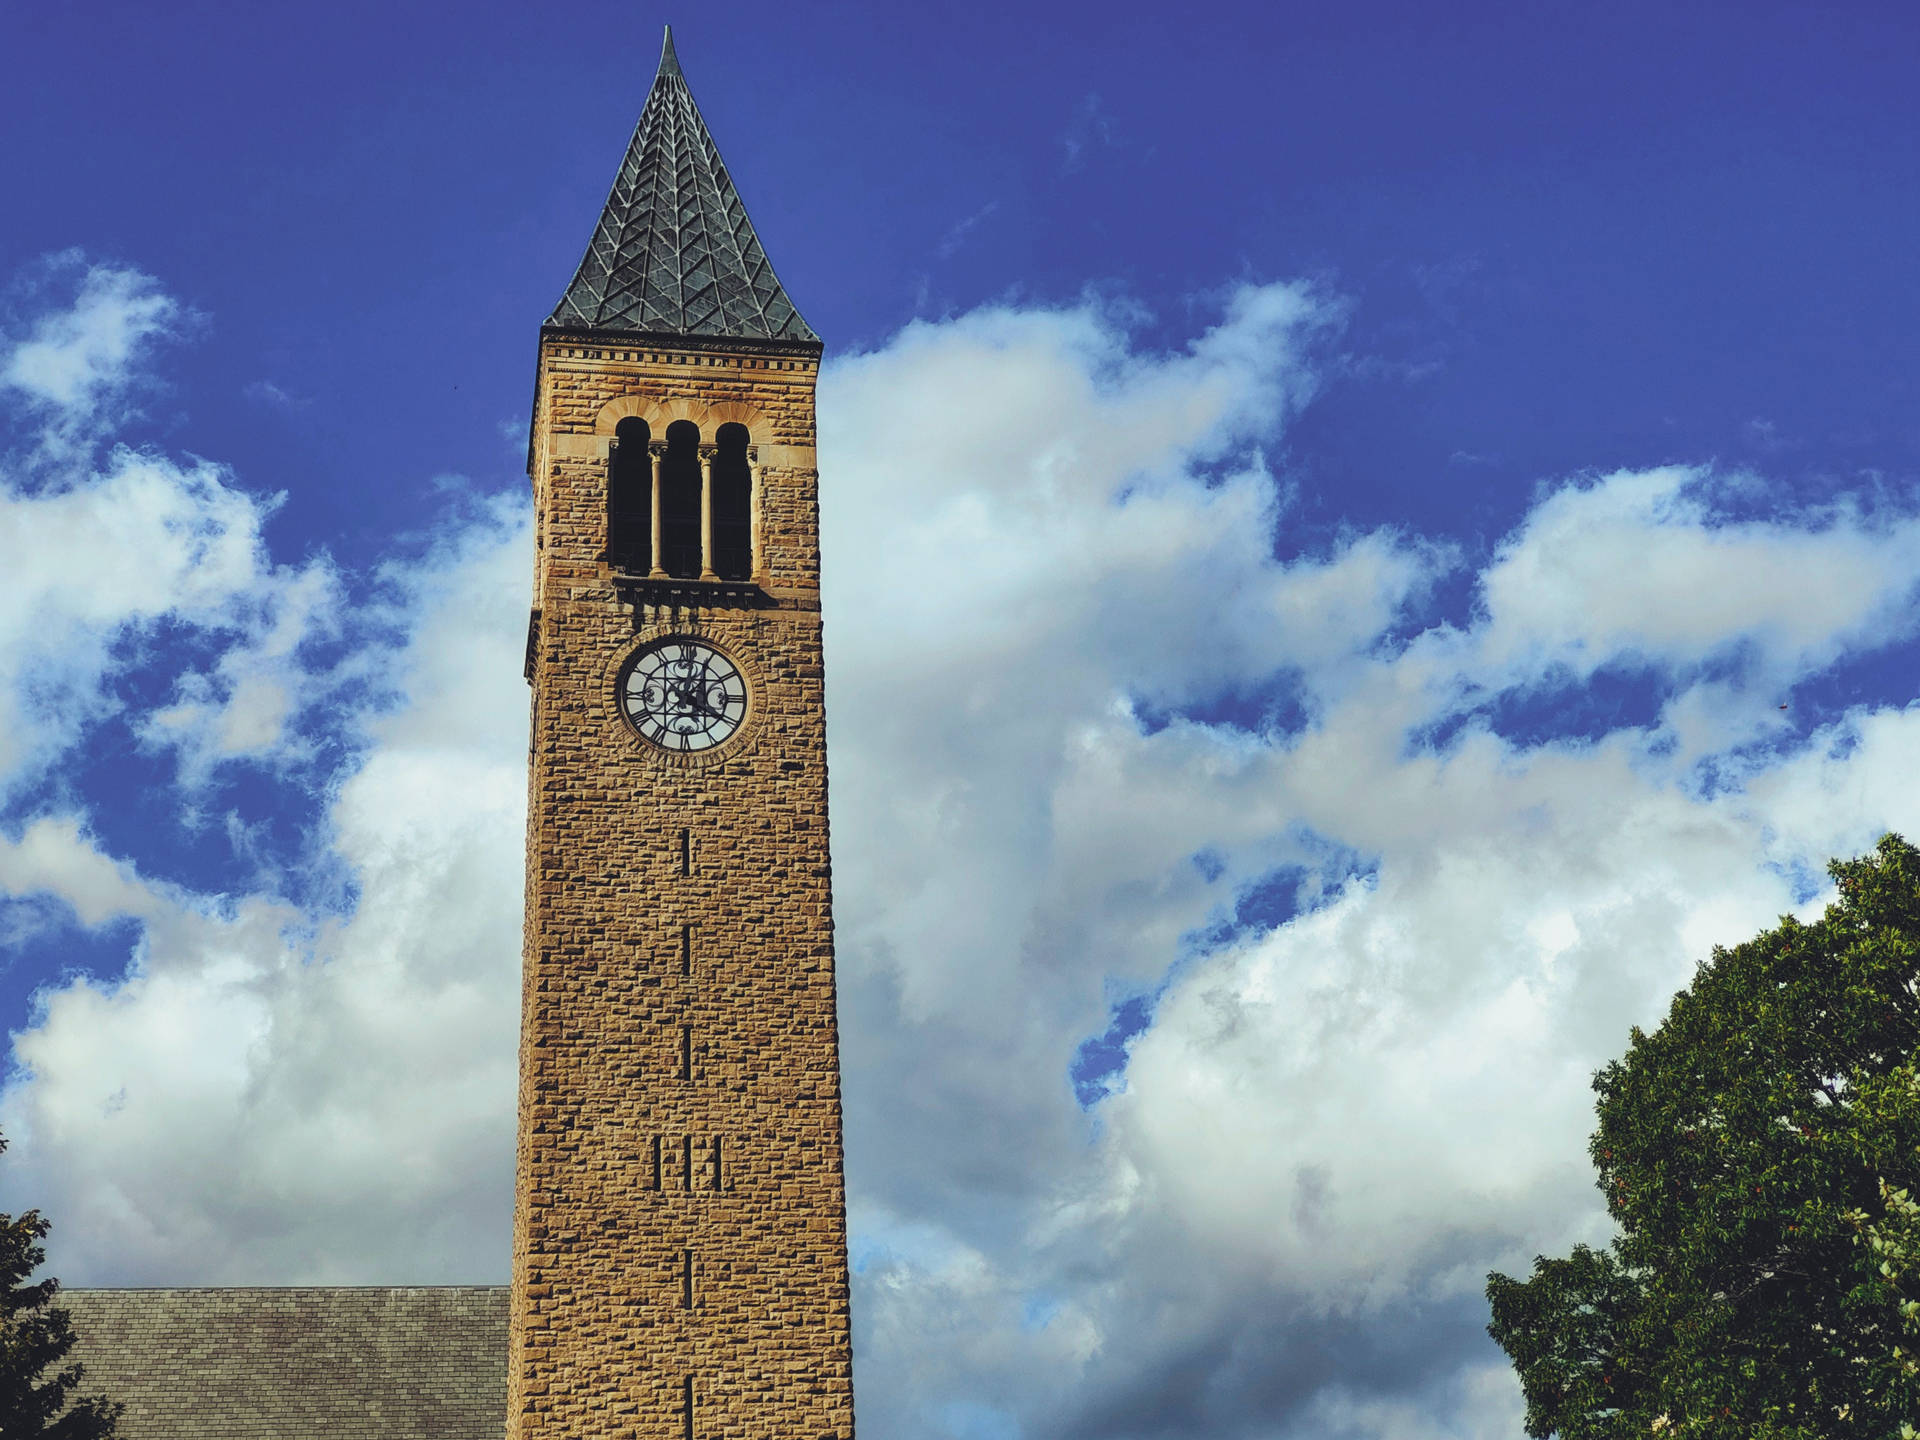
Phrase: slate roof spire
pixel 674 253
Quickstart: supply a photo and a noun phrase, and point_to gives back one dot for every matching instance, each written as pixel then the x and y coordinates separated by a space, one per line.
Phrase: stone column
pixel 758 572
pixel 658 451
pixel 706 513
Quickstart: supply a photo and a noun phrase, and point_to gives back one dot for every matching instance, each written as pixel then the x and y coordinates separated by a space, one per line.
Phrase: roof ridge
pixel 209 1289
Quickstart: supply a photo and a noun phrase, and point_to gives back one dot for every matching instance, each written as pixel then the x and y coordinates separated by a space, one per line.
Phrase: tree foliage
pixel 1760 1156
pixel 35 1336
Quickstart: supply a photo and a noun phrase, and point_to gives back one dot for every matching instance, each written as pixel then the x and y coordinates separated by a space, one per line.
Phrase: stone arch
pixel 661 411
pixel 736 412
pixel 624 407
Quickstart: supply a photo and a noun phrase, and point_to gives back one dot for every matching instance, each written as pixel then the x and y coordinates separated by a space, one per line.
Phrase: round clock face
pixel 683 695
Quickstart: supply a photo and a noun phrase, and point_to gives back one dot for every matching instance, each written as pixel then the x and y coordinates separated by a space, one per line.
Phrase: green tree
pixel 1759 1154
pixel 35 1336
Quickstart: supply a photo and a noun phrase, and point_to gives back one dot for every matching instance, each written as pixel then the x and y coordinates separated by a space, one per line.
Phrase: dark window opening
pixel 686 949
pixel 659 1164
pixel 680 502
pixel 687 1408
pixel 686 852
pixel 686 1279
pixel 686 1052
pixel 686 1162
pixel 630 497
pixel 732 505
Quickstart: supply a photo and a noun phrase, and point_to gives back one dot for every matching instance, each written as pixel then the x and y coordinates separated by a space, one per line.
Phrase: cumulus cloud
pixel 105 556
pixel 75 364
pixel 244 703
pixel 52 857
pixel 1644 564
pixel 1381 941
pixel 273 1093
pixel 1226 940
pixel 235 1104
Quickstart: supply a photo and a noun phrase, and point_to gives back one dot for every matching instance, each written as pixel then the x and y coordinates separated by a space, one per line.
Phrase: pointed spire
pixel 674 253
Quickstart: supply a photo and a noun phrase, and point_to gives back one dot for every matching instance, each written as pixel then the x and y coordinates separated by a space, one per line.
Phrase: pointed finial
pixel 669 62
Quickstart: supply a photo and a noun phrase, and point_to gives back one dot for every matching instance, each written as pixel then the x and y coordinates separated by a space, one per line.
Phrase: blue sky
pixel 1360 543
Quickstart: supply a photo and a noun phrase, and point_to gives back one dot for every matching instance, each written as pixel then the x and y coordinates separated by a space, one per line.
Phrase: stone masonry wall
pixel 679 1239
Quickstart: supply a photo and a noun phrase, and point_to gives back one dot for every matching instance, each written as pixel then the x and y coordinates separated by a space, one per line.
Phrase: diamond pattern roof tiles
pixel 674 252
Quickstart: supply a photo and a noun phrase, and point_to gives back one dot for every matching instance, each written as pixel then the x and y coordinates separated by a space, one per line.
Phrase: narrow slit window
pixel 716 1162
pixel 732 505
pixel 686 1052
pixel 686 1279
pixel 686 852
pixel 686 1163
pixel 686 1409
pixel 630 497
pixel 659 1163
pixel 686 949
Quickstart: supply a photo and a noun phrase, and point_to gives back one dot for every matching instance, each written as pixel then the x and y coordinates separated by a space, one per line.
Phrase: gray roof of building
pixel 674 253
pixel 297 1363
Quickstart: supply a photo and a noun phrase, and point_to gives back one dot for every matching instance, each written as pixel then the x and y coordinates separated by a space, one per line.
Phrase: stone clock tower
pixel 680 1264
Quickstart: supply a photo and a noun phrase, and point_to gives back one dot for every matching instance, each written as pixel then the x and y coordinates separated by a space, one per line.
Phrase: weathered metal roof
pixel 674 252
pixel 347 1363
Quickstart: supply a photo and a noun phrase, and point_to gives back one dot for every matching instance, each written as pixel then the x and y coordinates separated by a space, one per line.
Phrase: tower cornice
pixel 674 340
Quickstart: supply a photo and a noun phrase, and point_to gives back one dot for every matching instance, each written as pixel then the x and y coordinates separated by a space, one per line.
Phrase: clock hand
pixel 691 697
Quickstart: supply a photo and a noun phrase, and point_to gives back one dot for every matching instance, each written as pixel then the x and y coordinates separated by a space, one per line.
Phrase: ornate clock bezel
pixel 655 636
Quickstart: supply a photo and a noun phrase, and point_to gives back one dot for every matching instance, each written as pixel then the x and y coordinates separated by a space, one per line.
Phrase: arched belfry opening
pixel 680 502
pixel 732 505
pixel 630 497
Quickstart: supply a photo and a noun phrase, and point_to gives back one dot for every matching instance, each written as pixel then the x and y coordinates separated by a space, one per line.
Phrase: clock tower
pixel 680 1265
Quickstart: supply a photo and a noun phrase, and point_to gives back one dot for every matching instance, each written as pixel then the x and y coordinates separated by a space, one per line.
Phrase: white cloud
pixel 76 363
pixel 101 555
pixel 1047 552
pixel 99 559
pixel 274 396
pixel 264 1077
pixel 53 857
pixel 243 705
pixel 1336 1124
pixel 1639 564
pixel 271 1094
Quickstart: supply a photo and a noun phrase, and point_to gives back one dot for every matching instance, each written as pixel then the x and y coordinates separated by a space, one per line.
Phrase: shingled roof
pixel 298 1363
pixel 674 253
